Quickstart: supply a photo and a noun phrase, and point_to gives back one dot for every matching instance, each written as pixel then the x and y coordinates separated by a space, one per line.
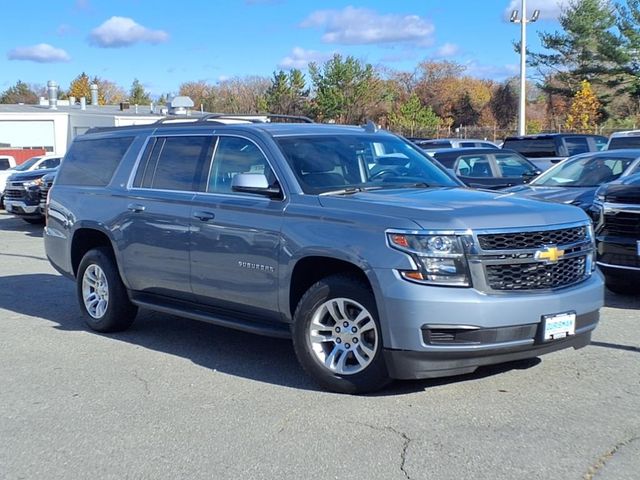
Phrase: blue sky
pixel 164 44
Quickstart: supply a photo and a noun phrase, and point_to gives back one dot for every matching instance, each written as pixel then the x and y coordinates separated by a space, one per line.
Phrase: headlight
pixel 440 259
pixel 33 183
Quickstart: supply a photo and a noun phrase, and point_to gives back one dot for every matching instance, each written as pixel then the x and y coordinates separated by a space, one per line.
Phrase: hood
pixel 455 208
pixel 624 190
pixel 580 196
pixel 32 175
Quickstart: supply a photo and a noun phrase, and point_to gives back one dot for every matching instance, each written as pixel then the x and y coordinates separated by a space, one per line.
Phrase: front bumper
pixel 404 364
pixel 505 326
pixel 18 207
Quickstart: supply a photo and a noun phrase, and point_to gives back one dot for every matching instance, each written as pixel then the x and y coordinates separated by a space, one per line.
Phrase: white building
pixel 43 126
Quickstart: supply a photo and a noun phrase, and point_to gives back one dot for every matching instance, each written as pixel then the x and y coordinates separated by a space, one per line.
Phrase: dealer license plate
pixel 559 326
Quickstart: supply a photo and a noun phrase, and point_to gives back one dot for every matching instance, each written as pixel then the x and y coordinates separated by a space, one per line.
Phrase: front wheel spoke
pixel 358 356
pixel 366 349
pixel 330 360
pixel 101 308
pixel 336 309
pixel 368 325
pixel 363 315
pixel 318 336
pixel 341 363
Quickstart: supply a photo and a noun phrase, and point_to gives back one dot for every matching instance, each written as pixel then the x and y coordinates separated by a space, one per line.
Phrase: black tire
pixel 374 375
pixel 619 286
pixel 118 312
pixel 34 221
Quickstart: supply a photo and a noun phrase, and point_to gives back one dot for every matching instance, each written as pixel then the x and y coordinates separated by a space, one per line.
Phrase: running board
pixel 196 312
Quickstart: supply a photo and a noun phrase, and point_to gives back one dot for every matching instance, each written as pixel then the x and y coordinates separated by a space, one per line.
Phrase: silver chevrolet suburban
pixel 353 242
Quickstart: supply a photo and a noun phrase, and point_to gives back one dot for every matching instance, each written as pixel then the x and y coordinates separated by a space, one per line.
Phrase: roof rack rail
pixel 254 117
pixel 177 120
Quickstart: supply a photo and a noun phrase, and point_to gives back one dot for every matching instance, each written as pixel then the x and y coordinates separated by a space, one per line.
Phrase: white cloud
pixel 361 26
pixel 492 72
pixel 549 9
pixel 447 50
pixel 41 53
pixel 300 58
pixel 123 32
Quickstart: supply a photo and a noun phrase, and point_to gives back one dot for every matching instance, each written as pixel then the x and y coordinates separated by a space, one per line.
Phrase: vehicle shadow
pixel 9 223
pixel 625 302
pixel 221 349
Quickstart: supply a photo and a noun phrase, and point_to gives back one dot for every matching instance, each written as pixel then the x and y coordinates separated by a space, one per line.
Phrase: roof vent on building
pixel 52 88
pixel 180 105
pixel 124 106
pixel 83 103
pixel 94 93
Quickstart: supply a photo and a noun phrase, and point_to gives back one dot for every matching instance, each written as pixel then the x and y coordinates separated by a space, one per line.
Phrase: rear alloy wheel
pixel 102 295
pixel 337 336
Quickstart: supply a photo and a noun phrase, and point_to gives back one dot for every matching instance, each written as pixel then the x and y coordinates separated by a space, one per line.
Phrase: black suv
pixel 548 149
pixel 616 214
pixel 22 195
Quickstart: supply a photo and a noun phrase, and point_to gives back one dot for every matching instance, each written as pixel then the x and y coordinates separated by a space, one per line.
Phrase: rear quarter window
pixel 93 162
pixel 624 142
pixel 4 164
pixel 532 147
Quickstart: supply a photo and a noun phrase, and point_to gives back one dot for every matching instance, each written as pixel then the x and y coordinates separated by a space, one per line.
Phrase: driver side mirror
pixel 256 183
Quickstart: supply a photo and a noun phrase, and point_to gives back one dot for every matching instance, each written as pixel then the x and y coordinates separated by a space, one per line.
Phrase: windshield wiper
pixel 407 185
pixel 350 190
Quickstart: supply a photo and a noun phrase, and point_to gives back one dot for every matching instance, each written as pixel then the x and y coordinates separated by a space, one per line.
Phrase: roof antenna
pixel 370 127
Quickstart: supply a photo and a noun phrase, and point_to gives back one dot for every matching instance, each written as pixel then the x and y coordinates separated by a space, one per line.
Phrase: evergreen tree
pixel 19 93
pixel 412 117
pixel 137 94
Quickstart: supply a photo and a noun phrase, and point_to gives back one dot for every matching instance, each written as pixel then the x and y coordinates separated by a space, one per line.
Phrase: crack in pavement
pixel 144 382
pixel 405 444
pixel 603 459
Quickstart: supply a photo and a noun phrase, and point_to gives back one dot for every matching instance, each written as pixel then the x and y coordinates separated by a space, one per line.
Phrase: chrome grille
pixel 534 260
pixel 12 193
pixel 623 224
pixel 536 239
pixel 536 276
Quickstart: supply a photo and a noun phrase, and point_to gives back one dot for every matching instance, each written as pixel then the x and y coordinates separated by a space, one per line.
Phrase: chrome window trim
pixel 157 135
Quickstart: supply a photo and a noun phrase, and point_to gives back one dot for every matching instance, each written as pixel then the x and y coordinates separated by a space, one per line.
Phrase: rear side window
pixel 532 147
pixel 175 163
pixel 576 145
pixel 4 164
pixel 624 142
pixel 93 162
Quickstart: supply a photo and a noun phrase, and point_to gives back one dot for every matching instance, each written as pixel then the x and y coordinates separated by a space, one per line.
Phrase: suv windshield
pixel 23 167
pixel 583 172
pixel 340 162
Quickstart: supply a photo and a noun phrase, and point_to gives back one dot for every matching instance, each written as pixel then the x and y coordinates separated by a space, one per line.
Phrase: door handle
pixel 136 207
pixel 204 216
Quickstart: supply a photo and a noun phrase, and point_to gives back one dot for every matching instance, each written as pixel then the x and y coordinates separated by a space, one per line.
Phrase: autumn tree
pixel 137 94
pixel 240 95
pixel 584 111
pixel 19 93
pixel 346 90
pixel 200 92
pixel 109 93
pixel 80 87
pixel 412 116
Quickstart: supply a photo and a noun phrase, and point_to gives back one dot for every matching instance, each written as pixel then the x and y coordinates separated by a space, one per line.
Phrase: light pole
pixel 522 119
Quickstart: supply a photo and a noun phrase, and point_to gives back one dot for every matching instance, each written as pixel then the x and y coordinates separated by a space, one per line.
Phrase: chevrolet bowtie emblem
pixel 550 254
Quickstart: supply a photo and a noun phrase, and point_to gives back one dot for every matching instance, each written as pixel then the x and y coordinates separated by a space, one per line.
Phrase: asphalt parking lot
pixel 173 398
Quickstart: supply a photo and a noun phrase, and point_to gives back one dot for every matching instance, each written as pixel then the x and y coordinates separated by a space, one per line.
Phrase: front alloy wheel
pixel 343 335
pixel 337 335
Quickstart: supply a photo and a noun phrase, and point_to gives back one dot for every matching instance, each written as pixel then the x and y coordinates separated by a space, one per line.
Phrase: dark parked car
pixel 576 180
pixel 548 149
pixel 487 168
pixel 616 214
pixel 434 144
pixel 22 195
